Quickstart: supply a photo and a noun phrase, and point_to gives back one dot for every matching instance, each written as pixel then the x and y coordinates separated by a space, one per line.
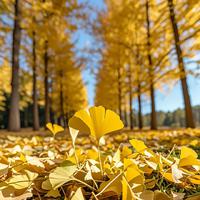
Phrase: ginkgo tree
pixel 141 32
pixel 37 53
pixel 4 82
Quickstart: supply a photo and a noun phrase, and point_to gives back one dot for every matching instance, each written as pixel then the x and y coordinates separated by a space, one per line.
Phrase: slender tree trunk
pixel 62 112
pixel 36 125
pixel 14 113
pixel 153 113
pixel 188 108
pixel 46 84
pixel 51 111
pixel 67 117
pixel 26 116
pixel 119 92
pixel 125 117
pixel 152 92
pixel 130 98
pixel 140 121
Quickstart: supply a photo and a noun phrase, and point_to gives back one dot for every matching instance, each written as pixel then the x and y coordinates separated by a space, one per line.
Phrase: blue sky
pixel 173 99
pixel 164 101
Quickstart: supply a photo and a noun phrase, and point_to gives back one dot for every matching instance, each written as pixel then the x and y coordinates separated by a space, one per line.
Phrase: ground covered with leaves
pixel 164 166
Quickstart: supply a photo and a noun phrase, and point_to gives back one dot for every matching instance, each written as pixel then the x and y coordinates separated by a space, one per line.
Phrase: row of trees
pixel 147 45
pixel 168 119
pixel 44 71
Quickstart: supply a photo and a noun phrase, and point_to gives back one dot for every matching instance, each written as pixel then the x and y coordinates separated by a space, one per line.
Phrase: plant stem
pixel 89 186
pixel 100 163
pixel 116 177
pixel 76 158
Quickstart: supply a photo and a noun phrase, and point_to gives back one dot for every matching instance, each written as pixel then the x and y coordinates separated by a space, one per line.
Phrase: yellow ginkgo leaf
pixel 158 195
pixel 138 145
pixel 73 133
pixel 188 157
pixel 53 193
pixel 147 195
pixel 97 121
pixel 189 161
pixel 127 193
pixel 78 195
pixel 177 174
pixel 195 179
pixel 54 128
pixel 114 185
pixel 187 152
pixel 21 181
pixel 62 175
pixel 167 176
pixel 3 169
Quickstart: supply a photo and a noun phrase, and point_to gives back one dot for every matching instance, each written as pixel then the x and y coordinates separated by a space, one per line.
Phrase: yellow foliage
pixel 96 121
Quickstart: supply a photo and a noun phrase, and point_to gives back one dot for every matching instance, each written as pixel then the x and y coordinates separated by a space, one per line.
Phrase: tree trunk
pixel 183 78
pixel 153 109
pixel 51 111
pixel 36 125
pixel 140 121
pixel 62 112
pixel 119 92
pixel 14 113
pixel 125 117
pixel 46 84
pixel 26 115
pixel 152 92
pixel 130 98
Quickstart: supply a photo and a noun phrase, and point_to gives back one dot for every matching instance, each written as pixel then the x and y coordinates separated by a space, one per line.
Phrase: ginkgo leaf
pixel 46 185
pixel 151 164
pixel 138 145
pixel 74 133
pixel 114 185
pixel 177 174
pixel 188 157
pixel 147 195
pixel 54 128
pixel 53 193
pixel 133 173
pixel 62 175
pixel 78 195
pixel 150 183
pixel 3 169
pixel 178 195
pixel 186 152
pixel 33 160
pixel 126 151
pixel 117 156
pixel 97 121
pixel 10 196
pixel 195 179
pixel 127 192
pixel 168 176
pixel 161 196
pixel 88 176
pixel 22 181
pixel 194 197
pixel 135 179
pixel 189 161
